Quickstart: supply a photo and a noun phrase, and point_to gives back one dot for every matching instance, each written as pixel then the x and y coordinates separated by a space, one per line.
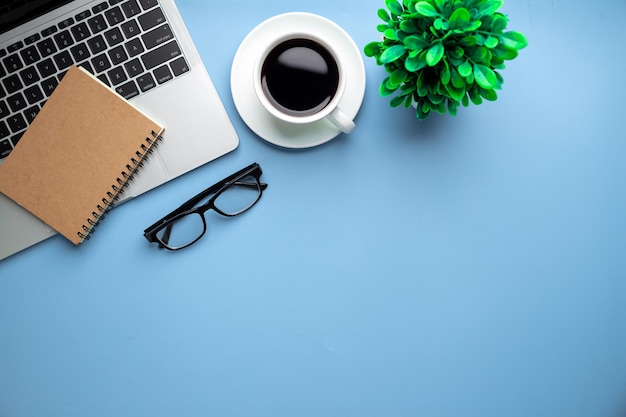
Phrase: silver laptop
pixel 140 48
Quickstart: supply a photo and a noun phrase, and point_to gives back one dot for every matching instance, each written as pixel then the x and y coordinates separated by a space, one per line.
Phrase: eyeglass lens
pixel 239 197
pixel 235 199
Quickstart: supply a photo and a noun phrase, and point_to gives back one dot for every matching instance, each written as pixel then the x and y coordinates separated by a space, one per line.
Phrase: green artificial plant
pixel 442 53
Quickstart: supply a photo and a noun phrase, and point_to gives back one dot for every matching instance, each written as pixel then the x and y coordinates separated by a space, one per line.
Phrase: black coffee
pixel 300 77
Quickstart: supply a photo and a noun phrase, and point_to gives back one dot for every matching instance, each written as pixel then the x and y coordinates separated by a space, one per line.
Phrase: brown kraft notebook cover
pixel 78 155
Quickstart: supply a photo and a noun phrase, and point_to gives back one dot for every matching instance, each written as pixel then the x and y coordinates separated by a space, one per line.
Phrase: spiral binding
pixel 117 189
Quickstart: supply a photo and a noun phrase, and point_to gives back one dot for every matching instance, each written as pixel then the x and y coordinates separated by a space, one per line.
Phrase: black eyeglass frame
pixel 254 170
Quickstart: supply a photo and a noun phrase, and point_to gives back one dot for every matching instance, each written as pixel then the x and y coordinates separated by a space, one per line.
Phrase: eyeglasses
pixel 230 197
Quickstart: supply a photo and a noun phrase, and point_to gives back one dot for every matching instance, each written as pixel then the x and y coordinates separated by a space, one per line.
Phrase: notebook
pixel 142 49
pixel 84 121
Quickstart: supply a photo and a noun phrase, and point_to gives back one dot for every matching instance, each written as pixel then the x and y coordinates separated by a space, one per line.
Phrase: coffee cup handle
pixel 343 122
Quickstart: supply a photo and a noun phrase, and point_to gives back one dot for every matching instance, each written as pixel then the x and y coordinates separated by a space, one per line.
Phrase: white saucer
pixel 252 111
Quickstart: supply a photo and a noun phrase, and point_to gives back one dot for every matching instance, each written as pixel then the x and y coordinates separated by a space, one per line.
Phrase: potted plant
pixel 439 54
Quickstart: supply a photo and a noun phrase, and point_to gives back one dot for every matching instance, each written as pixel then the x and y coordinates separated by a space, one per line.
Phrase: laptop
pixel 140 48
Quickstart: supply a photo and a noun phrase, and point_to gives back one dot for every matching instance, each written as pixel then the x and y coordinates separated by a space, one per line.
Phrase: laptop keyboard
pixel 127 44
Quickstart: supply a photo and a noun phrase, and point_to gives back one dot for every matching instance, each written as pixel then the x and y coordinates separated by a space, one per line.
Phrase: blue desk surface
pixel 469 266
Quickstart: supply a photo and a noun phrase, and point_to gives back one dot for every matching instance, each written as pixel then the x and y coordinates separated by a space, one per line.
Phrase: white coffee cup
pixel 300 79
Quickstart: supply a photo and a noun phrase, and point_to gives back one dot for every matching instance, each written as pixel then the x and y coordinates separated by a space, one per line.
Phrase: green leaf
pixel 445 74
pixel 392 54
pixel 453 105
pixel 485 77
pixel 413 64
pixel 390 34
pixel 384 90
pixel 423 110
pixel 489 95
pixel 475 96
pixel 398 76
pixel 491 7
pixel 439 4
pixel 459 18
pixel 454 92
pixel 491 42
pixel 513 40
pixel 425 9
pixel 480 54
pixel 415 43
pixel 384 15
pixel 456 79
pixel 469 40
pixel 505 54
pixel 394 7
pixel 473 26
pixel 499 23
pixel 434 54
pixel 465 69
pixel 372 49
pixel 408 26
pixel 397 101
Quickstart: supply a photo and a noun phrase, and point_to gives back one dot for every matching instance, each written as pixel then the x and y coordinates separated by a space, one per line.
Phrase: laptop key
pixel 32 39
pixel 48 85
pixel 66 23
pixel 97 24
pixel 63 60
pixel 128 90
pixel 134 47
pixel 146 82
pixel 16 103
pixel 160 55
pixel 46 68
pixel 114 16
pixel 82 15
pixel 48 31
pixel 130 29
pixel 100 7
pixel 4 109
pixel 97 44
pixel 131 8
pixel 148 4
pixel 113 36
pixel 12 83
pixel 31 113
pixel 104 79
pixel 16 138
pixel 17 123
pixel 4 130
pixel 46 47
pixel 157 36
pixel 30 55
pixel 101 63
pixel 133 68
pixel 80 52
pixel 163 74
pixel 80 31
pixel 5 145
pixel 13 63
pixel 33 94
pixel 151 19
pixel 117 76
pixel 63 39
pixel 29 76
pixel 179 66
pixel 118 55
